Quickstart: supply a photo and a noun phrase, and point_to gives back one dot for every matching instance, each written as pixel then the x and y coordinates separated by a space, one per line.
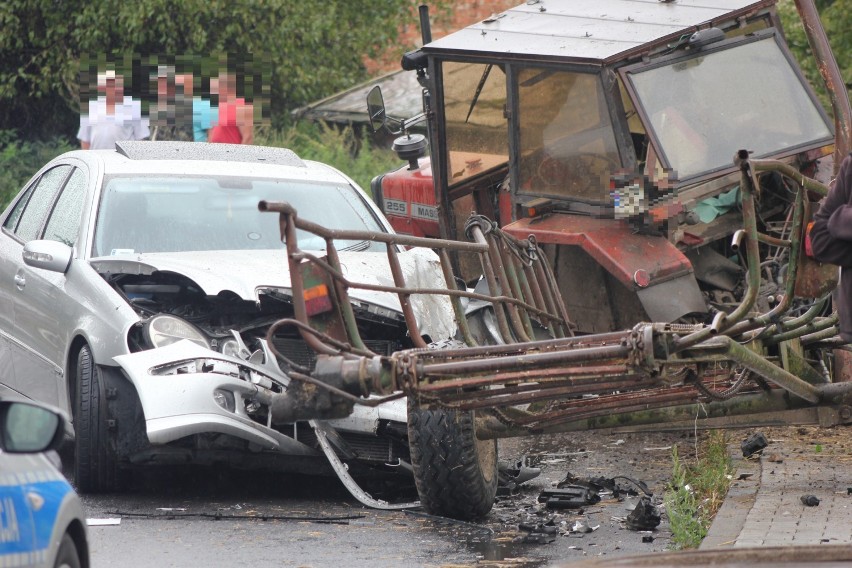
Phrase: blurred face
pixel 184 82
pixel 114 88
pixel 225 86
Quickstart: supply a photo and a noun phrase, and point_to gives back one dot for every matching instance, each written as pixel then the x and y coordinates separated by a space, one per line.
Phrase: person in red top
pixel 236 117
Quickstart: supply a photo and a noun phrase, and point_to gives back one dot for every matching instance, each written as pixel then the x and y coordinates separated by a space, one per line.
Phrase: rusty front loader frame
pixel 742 369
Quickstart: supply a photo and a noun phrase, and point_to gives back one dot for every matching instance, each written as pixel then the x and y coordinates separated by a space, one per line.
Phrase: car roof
pixel 199 158
pixel 591 31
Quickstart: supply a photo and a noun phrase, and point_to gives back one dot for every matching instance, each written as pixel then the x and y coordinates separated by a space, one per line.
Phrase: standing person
pixel 830 240
pixel 171 117
pixel 112 116
pixel 236 117
pixel 204 115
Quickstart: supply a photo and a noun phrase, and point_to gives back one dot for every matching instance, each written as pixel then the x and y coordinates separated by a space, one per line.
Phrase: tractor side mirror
pixel 376 109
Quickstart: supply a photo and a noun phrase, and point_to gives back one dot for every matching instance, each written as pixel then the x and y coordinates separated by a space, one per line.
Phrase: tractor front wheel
pixel 455 473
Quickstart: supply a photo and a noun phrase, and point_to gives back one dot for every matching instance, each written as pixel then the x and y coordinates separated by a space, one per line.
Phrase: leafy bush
pixel 344 149
pixel 19 160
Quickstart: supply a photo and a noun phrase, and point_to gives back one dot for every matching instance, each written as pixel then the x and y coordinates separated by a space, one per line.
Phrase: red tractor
pixel 636 186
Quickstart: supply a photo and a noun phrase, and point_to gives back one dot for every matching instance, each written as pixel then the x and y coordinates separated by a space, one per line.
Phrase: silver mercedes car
pixel 138 286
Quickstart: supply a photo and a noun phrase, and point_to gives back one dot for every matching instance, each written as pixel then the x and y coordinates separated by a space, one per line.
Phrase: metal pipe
pixel 753 258
pixel 458 311
pixel 802 331
pixel 757 364
pixel 345 306
pixel 539 378
pixel 377 236
pixel 820 335
pixel 526 361
pixel 491 280
pixel 834 83
pixel 405 305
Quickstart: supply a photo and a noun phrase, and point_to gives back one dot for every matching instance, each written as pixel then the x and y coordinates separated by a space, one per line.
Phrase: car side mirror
pixel 376 109
pixel 26 427
pixel 48 255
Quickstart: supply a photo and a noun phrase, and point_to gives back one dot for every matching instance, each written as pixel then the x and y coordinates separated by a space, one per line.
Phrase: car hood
pixel 247 273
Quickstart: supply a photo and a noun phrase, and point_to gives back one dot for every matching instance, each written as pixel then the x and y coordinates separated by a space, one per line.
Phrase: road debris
pixel 569 497
pixel 111 521
pixel 581 526
pixel 606 485
pixel 510 477
pixel 810 500
pixel 644 516
pixel 541 533
pixel 753 444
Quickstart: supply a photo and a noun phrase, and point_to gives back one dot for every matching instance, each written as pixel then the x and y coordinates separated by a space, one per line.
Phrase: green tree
pixel 836 16
pixel 314 48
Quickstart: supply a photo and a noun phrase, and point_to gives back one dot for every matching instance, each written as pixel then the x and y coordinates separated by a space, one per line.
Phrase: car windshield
pixel 703 109
pixel 141 214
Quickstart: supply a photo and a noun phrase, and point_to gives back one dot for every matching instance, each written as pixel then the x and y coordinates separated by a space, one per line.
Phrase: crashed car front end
pixel 208 373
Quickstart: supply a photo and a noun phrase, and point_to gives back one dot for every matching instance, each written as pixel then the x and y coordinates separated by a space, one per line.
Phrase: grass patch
pixel 697 490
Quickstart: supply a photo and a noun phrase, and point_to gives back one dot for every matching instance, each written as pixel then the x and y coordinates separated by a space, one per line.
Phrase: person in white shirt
pixel 112 116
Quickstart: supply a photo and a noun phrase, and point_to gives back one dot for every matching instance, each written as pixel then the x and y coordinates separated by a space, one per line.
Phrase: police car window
pixel 64 222
pixel 40 202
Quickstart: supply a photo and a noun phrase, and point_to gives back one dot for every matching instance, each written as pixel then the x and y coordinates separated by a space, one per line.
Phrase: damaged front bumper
pixel 185 389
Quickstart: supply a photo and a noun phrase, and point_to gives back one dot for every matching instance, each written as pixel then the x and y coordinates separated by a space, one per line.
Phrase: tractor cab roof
pixel 590 31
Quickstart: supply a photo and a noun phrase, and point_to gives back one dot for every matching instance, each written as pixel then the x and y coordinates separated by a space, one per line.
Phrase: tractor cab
pixel 609 131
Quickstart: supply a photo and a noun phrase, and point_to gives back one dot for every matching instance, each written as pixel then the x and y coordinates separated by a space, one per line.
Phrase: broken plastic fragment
pixel 644 516
pixel 753 444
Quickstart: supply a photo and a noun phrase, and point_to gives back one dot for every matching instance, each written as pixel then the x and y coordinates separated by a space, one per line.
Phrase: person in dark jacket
pixel 831 240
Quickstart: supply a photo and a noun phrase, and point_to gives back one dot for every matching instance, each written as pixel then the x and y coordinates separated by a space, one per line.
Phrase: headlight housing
pixel 166 329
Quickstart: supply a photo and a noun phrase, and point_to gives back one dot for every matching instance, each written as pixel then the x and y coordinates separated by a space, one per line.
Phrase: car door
pixel 10 261
pixel 52 210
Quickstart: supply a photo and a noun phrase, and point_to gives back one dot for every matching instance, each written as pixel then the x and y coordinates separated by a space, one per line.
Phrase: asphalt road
pixel 201 517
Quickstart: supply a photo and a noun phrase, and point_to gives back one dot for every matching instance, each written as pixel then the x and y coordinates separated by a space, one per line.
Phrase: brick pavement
pixel 765 509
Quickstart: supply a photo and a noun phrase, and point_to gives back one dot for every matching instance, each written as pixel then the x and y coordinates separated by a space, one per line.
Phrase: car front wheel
pixel 95 463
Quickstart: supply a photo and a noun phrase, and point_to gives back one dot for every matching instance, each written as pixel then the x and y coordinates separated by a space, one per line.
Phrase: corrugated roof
pixel 401 91
pixel 587 30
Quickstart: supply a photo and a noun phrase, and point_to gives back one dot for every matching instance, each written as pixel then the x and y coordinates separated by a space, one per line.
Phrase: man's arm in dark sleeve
pixel 831 234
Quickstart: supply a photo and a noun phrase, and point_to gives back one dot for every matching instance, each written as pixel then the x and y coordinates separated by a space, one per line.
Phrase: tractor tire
pixel 95 460
pixel 455 473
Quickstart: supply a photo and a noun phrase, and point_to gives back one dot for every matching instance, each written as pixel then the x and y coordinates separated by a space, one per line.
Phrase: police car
pixel 42 522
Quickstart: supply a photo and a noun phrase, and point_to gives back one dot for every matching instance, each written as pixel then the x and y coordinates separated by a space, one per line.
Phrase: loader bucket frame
pixel 742 369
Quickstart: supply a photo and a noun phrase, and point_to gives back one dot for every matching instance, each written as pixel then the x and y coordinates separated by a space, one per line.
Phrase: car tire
pixel 67 556
pixel 455 473
pixel 95 463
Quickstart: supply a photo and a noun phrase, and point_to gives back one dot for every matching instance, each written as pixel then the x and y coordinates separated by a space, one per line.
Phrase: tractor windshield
pixel 700 110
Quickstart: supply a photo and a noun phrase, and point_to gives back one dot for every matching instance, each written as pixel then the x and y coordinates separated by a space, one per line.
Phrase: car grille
pixel 300 353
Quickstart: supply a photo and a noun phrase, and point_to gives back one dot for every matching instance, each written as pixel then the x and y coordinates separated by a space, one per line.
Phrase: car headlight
pixel 166 329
